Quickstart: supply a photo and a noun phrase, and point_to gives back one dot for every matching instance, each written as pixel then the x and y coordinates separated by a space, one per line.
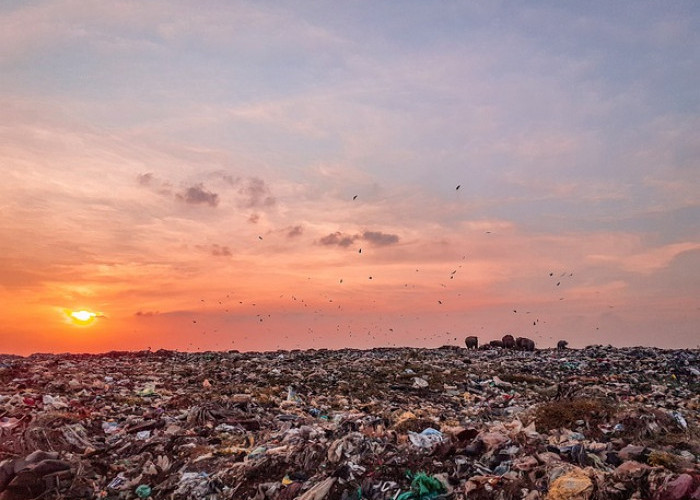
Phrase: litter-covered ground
pixel 595 423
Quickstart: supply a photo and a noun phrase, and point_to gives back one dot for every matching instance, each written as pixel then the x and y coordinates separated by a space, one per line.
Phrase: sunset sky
pixel 259 175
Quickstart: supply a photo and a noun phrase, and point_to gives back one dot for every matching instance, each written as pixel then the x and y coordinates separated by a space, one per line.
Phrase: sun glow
pixel 82 317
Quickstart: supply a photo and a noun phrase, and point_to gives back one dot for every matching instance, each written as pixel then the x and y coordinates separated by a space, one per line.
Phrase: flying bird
pixel 354 197
pixel 458 186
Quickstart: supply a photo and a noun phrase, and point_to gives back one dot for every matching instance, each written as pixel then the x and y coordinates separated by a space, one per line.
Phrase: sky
pixel 213 175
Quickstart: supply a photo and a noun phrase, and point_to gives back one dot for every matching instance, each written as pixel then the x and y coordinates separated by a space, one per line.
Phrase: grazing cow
pixel 561 345
pixel 496 343
pixel 524 344
pixel 472 342
pixel 530 345
pixel 508 341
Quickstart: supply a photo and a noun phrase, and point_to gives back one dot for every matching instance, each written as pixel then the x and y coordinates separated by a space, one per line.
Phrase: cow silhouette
pixel 508 341
pixel 524 344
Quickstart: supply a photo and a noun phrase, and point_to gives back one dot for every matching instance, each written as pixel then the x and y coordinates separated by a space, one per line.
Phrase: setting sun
pixel 82 317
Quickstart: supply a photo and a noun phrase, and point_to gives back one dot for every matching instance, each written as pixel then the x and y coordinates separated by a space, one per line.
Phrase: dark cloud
pixel 256 194
pixel 295 231
pixel 145 179
pixel 339 239
pixel 220 250
pixel 379 238
pixel 198 195
pixel 374 237
pixel 146 313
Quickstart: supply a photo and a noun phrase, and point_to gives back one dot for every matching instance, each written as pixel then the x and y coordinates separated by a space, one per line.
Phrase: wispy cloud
pixel 145 179
pixel 295 231
pixel 648 260
pixel 255 194
pixel 216 250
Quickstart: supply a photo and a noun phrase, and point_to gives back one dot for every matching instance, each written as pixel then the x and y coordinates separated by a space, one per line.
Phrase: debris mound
pixel 413 424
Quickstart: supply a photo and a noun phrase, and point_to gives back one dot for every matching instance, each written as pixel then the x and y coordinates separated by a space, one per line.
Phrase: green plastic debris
pixel 423 487
pixel 143 491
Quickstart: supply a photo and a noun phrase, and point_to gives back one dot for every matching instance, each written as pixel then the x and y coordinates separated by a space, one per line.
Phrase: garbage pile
pixel 400 423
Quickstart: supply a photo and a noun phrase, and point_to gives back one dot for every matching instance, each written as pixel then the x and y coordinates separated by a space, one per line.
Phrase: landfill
pixel 387 423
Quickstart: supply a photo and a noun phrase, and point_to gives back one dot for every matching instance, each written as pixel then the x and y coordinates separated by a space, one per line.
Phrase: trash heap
pixel 401 423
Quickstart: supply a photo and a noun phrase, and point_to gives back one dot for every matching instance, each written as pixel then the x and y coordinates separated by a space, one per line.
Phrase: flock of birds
pixel 370 331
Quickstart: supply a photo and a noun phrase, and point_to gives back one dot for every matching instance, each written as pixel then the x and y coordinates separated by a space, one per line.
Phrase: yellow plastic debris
pixel 574 485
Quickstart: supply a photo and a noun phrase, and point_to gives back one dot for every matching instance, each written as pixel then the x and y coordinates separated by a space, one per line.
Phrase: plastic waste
pixel 148 390
pixel 573 485
pixel 143 491
pixel 110 427
pixel 426 439
pixel 9 422
pixel 420 383
pixel 619 419
pixel 117 482
pixel 143 435
pixel 423 487
pixel 320 490
pixel 680 420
